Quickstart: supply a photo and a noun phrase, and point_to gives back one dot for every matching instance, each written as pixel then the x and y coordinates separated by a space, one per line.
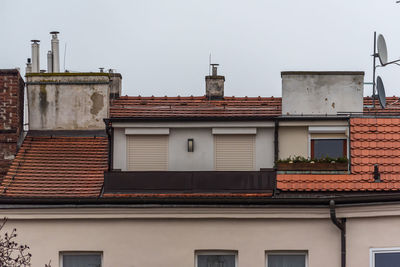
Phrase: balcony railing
pixel 189 181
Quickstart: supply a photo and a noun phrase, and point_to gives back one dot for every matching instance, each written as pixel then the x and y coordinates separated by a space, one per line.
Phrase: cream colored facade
pixel 155 236
pixel 295 136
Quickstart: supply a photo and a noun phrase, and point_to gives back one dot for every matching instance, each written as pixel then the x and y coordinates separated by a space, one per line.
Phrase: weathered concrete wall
pixel 322 92
pixel 67 101
pixel 11 116
pixel 202 159
pixel 173 242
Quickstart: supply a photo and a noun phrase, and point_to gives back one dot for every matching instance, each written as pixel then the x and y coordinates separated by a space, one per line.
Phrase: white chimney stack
pixel 35 56
pixel 55 52
pixel 49 61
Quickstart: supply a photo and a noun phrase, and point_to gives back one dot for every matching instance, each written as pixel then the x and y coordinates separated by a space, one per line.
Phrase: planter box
pixel 306 166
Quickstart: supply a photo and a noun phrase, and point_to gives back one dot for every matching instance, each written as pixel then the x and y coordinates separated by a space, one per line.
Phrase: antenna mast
pixel 373 70
pixel 65 52
pixel 209 65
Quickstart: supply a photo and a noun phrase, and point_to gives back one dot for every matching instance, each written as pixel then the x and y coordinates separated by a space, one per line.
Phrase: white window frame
pixel 286 252
pixel 328 130
pixel 80 252
pixel 216 252
pixel 373 251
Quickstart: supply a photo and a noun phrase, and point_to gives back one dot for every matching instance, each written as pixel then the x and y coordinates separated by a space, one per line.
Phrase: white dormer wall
pixel 205 136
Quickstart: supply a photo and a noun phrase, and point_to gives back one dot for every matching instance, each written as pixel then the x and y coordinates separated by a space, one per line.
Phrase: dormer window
pixel 327 142
pixel 328 148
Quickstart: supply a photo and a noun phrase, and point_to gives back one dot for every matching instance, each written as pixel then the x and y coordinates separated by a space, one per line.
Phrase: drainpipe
pixel 276 141
pixel 276 153
pixel 349 144
pixel 109 131
pixel 341 224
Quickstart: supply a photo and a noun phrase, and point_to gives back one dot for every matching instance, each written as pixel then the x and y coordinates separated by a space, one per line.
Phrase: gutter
pixel 109 131
pixel 341 224
pixel 164 199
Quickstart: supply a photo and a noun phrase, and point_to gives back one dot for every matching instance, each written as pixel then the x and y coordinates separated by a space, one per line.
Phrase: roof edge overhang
pixel 368 198
pixel 322 73
pixel 216 118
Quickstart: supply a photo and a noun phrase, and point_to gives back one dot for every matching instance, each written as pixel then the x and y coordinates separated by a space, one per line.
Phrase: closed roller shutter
pixel 147 152
pixel 234 152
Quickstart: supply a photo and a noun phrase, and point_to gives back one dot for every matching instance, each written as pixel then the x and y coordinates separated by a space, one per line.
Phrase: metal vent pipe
pixel 35 56
pixel 55 49
pixel 49 62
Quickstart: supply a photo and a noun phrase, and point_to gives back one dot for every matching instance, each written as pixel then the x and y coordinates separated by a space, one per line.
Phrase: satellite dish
pixel 381 92
pixel 382 50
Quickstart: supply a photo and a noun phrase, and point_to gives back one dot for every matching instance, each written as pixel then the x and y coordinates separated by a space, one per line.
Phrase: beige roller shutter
pixel 147 152
pixel 234 152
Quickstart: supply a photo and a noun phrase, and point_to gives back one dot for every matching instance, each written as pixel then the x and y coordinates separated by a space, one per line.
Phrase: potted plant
pixel 299 163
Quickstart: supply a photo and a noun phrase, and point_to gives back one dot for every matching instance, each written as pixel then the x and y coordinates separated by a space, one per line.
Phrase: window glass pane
pixel 286 260
pixel 89 260
pixel 387 259
pixel 216 261
pixel 332 148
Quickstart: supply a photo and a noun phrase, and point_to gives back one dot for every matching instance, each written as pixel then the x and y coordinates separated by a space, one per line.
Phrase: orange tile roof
pixel 373 141
pixel 194 107
pixel 66 167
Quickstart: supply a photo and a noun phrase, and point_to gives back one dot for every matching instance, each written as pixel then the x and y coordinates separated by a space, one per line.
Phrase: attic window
pixel 332 148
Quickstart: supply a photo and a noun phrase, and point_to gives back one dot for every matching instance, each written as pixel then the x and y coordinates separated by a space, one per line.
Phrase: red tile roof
pixel 229 107
pixel 195 107
pixel 64 167
pixel 373 141
pixel 392 106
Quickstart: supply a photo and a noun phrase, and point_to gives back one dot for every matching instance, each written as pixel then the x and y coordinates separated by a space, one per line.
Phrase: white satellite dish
pixel 382 50
pixel 381 92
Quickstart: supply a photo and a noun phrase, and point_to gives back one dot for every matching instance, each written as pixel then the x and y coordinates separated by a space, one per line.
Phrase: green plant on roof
pixel 301 159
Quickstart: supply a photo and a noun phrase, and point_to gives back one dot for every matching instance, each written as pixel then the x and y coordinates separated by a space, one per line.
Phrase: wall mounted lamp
pixel 190 145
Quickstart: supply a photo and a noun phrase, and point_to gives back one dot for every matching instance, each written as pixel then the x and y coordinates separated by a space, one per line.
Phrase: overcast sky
pixel 162 47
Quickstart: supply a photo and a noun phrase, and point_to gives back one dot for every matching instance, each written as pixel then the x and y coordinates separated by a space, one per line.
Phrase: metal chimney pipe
pixel 35 56
pixel 55 51
pixel 49 62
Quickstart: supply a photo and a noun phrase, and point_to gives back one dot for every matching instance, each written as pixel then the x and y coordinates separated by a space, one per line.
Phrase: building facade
pixel 309 179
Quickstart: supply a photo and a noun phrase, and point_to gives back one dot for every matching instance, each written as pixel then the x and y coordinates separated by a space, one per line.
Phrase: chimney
pixel 55 51
pixel 116 84
pixel 215 84
pixel 49 62
pixel 322 92
pixel 35 56
pixel 28 68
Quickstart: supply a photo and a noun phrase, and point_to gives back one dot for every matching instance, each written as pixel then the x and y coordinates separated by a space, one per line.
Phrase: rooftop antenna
pixel 209 65
pixel 65 53
pixel 380 51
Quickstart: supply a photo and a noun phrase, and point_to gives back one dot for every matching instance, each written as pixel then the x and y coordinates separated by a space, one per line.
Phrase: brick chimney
pixel 215 84
pixel 11 116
